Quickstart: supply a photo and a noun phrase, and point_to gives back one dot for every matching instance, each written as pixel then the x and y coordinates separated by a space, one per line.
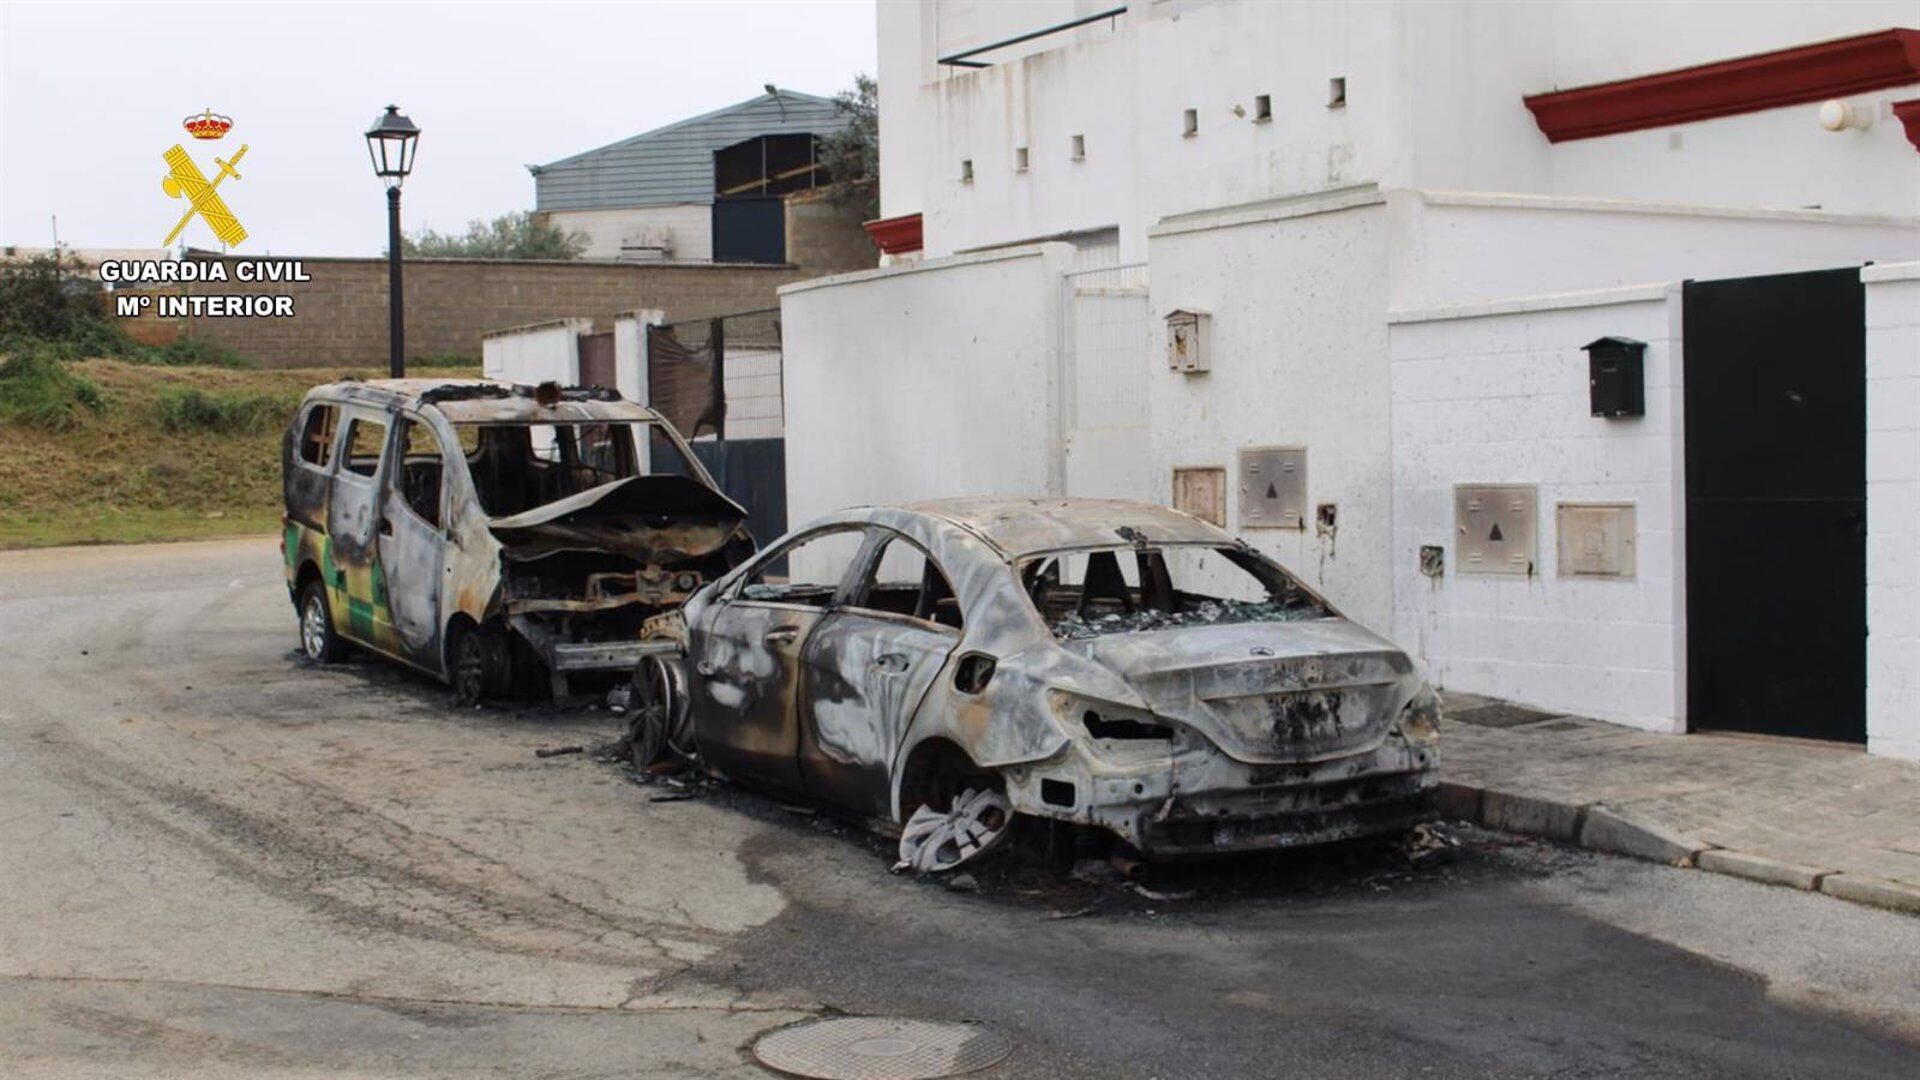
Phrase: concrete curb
pixel 1761 868
pixel 1602 828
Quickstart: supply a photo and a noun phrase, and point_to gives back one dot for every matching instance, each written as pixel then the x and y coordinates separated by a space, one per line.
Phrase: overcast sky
pixel 92 94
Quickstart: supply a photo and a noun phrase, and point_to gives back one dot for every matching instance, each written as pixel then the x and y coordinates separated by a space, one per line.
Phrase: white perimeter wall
pixel 1299 344
pixel 688 227
pixel 1893 509
pixel 1501 397
pixel 1456 248
pixel 542 352
pixel 923 381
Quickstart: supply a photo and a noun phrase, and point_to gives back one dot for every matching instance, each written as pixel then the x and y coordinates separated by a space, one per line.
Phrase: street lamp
pixel 390 143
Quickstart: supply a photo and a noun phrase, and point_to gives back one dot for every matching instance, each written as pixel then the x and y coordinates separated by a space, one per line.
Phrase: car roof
pixel 1023 526
pixel 486 400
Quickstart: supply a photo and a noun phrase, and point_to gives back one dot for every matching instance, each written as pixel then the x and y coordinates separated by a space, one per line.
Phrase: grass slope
pixel 155 463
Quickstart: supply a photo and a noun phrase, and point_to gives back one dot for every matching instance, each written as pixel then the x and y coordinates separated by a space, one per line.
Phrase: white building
pixel 1396 226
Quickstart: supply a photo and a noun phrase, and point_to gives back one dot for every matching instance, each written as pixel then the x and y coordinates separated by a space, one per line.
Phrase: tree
pixel 852 154
pixel 518 235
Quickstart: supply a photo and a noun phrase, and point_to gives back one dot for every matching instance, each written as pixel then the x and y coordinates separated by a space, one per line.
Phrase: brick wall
pixel 822 234
pixel 341 315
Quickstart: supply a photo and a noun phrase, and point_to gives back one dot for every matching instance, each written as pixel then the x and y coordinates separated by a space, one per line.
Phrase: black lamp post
pixel 390 143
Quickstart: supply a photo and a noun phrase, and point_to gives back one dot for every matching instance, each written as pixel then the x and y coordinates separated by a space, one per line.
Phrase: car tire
pixel 654 707
pixel 318 642
pixel 467 666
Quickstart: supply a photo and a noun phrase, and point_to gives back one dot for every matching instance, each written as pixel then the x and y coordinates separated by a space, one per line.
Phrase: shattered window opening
pixel 421 470
pixel 316 437
pixel 906 581
pixel 365 441
pixel 1127 589
pixel 519 466
pixel 808 571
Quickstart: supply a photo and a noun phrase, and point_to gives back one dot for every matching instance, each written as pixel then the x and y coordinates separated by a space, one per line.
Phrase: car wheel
pixel 467 667
pixel 655 707
pixel 318 642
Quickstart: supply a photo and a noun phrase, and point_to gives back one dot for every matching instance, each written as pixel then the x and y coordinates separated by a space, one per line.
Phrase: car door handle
pixel 782 633
pixel 892 662
pixel 386 526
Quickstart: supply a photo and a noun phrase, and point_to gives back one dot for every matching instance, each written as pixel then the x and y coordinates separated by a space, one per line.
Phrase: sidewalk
pixel 1791 812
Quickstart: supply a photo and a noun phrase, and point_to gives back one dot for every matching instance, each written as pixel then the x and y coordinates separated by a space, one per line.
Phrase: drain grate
pixel 880 1048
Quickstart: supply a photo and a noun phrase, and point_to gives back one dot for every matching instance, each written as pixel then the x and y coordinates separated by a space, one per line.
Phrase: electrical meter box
pixel 1189 344
pixel 1494 528
pixel 1273 487
pixel 1595 540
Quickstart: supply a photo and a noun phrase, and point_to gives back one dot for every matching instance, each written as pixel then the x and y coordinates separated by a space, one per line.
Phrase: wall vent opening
pixel 1190 123
pixel 1079 150
pixel 1262 108
pixel 1337 92
pixel 966 170
pixel 1019 159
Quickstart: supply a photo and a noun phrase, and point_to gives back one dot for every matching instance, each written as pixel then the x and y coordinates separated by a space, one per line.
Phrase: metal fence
pixel 719 381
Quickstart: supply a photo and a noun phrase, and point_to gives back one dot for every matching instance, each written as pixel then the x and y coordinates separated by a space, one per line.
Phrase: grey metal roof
pixel 674 164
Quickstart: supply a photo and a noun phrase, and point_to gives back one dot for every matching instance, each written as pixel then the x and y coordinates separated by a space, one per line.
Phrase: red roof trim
pixel 895 235
pixel 1909 114
pixel 1730 87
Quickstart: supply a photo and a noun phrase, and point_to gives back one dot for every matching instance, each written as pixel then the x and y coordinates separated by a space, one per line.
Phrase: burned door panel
pixel 865 676
pixel 411 545
pixel 744 685
pixel 359 591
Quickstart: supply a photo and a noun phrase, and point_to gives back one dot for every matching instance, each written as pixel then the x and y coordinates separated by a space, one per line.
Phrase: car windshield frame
pixel 637 429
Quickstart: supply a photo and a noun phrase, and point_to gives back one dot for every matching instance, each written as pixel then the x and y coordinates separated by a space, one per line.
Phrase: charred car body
pixel 1106 663
pixel 493 534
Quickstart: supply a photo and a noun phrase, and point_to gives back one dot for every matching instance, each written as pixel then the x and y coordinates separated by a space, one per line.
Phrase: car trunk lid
pixel 1266 693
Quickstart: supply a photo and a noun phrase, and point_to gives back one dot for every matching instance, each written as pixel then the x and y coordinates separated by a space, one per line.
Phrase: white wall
pixel 1461 248
pixel 541 352
pixel 1893 509
pixel 1434 100
pixel 1299 359
pixel 688 229
pixel 923 381
pixel 1499 396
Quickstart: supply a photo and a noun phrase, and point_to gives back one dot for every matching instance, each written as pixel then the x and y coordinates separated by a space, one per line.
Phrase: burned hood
pixel 1266 693
pixel 655 519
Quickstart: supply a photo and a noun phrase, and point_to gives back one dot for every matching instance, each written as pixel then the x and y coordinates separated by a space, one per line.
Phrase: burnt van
pixel 499 537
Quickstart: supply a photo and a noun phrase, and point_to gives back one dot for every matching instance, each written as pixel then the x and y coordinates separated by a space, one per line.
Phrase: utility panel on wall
pixel 1595 540
pixel 1202 492
pixel 1494 528
pixel 1273 487
pixel 1189 348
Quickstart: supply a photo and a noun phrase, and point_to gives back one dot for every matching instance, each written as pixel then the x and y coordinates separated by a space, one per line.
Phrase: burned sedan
pixel 944 667
pixel 494 535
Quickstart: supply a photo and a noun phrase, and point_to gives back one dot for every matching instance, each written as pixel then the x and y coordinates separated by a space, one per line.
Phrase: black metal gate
pixel 1775 436
pixel 719 382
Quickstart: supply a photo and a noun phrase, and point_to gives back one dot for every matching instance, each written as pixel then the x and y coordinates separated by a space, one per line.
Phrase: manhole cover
pixel 880 1048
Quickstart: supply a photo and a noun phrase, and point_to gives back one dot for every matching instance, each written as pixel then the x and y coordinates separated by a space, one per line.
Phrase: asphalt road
pixel 218 861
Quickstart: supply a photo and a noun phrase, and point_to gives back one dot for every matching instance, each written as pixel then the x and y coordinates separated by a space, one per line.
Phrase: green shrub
pixel 444 360
pixel 38 390
pixel 189 409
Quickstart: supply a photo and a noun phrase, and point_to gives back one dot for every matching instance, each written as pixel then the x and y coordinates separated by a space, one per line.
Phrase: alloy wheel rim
pixel 313 628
